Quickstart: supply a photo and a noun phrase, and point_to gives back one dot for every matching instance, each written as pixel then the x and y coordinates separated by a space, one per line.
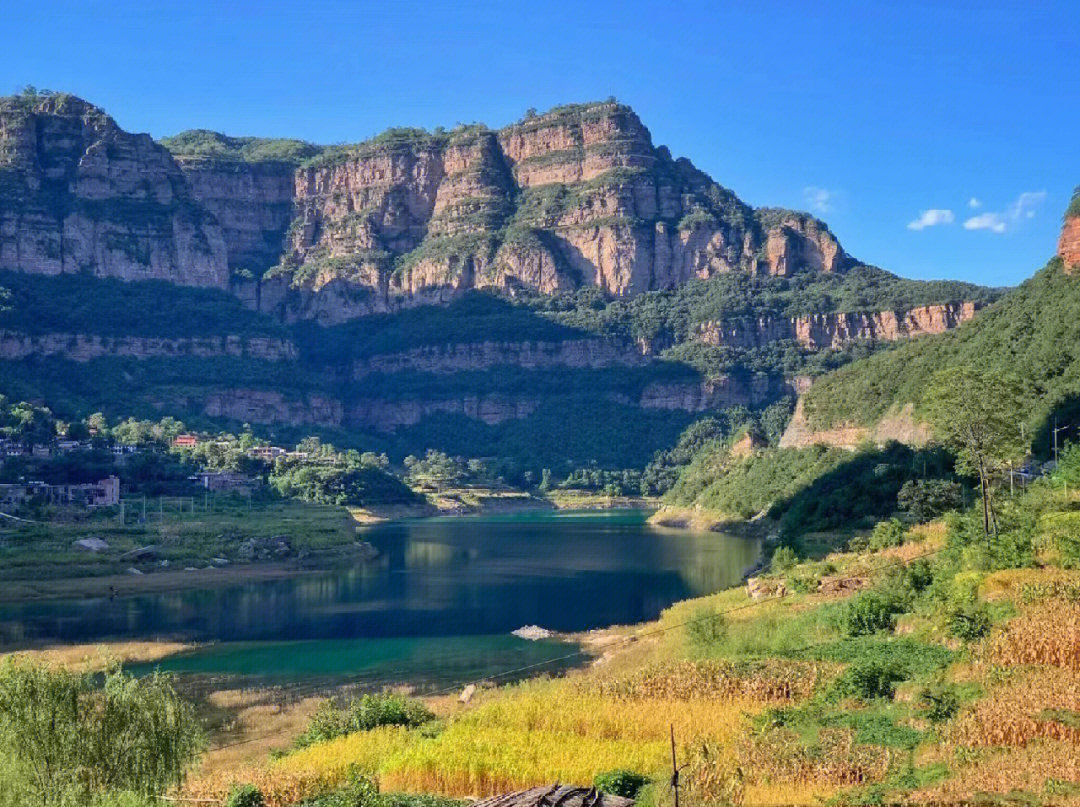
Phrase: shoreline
pixel 464 503
pixel 14 592
pixel 35 590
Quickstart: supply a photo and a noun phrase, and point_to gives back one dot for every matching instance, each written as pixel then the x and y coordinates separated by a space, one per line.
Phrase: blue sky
pixel 868 113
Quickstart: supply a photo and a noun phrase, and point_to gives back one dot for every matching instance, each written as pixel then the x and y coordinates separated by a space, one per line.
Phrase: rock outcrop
pixel 835 330
pixel 1069 244
pixel 79 194
pixel 576 197
pixel 86 347
pixel 253 205
pixel 456 358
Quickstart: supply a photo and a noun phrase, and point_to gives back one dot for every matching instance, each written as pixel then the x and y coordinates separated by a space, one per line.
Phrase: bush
pixel 91 738
pixel 803 583
pixel 886 534
pixel 245 796
pixel 868 680
pixel 926 499
pixel 869 612
pixel 620 782
pixel 784 559
pixel 359 792
pixel 940 703
pixel 969 622
pixel 363 714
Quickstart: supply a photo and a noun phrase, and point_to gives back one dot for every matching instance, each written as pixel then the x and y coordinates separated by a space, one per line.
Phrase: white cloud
pixel 820 200
pixel 974 202
pixel 932 218
pixel 1020 210
pixel 985 221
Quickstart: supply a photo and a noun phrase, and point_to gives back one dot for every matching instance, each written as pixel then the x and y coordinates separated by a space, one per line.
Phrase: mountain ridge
pixel 575 197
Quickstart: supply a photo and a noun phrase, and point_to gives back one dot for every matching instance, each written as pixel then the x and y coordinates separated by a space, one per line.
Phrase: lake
pixel 440 600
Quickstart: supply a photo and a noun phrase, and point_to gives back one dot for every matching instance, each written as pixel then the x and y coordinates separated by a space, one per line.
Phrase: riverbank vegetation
pixel 929 661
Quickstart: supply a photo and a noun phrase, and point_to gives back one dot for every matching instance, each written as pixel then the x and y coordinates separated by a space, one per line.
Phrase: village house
pixel 266 453
pixel 186 440
pixel 223 481
pixel 103 493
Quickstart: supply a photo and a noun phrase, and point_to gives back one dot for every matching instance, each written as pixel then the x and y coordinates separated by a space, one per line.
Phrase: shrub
pixel 620 782
pixel 245 796
pixel 869 612
pixel 926 499
pixel 784 559
pixel 803 583
pixel 363 714
pixel 359 792
pixel 969 622
pixel 940 703
pixel 886 534
pixel 868 680
pixel 129 734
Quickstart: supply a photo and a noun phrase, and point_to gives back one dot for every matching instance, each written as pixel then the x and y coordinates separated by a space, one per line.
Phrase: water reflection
pixel 443 577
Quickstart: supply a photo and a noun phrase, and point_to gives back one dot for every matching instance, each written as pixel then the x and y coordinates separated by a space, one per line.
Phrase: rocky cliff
pixel 252 203
pixel 835 330
pixel 1069 243
pixel 79 194
pixel 575 197
pixel 87 347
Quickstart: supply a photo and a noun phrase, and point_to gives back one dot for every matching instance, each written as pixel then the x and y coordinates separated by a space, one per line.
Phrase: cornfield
pixel 1022 711
pixel 767 682
pixel 1049 634
pixel 532 734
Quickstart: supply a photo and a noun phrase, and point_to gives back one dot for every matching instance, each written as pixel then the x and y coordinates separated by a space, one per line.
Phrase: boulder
pixel 91 545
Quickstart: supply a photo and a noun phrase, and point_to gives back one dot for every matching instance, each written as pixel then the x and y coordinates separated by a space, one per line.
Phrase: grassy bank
pixel 187 545
pixel 938 666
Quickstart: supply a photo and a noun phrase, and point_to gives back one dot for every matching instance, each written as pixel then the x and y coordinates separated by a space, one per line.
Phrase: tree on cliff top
pixel 978 414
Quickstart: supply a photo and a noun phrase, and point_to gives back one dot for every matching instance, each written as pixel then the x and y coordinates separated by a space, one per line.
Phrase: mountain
pixel 576 197
pixel 557 293
pixel 1032 332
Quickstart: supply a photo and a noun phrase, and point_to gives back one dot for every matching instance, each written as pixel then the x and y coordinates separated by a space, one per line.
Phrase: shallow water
pixel 441 598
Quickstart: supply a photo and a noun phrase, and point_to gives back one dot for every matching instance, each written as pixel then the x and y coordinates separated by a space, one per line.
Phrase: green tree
pixel 66 738
pixel 978 414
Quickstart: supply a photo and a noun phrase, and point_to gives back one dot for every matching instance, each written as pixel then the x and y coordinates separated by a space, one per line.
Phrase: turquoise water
pixel 440 600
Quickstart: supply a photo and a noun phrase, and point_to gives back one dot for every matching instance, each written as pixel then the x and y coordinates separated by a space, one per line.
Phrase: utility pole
pixel 675 769
pixel 1056 430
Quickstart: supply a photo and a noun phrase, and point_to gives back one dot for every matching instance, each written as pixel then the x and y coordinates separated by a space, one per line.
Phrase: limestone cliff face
pixel 78 194
pixel 715 393
pixel 835 330
pixel 899 425
pixel 86 347
pixel 797 241
pixel 252 202
pixel 576 197
pixel 1069 244
pixel 445 359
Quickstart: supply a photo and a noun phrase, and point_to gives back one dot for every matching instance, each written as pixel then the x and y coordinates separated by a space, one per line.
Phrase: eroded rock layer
pixel 835 330
pixel 79 194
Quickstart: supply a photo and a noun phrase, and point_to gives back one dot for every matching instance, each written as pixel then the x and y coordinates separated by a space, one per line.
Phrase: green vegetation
pixel 1031 334
pixel 365 713
pixel 620 782
pixel 80 304
pixel 214 145
pixel 979 415
pixel 66 739
pixel 1073 209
